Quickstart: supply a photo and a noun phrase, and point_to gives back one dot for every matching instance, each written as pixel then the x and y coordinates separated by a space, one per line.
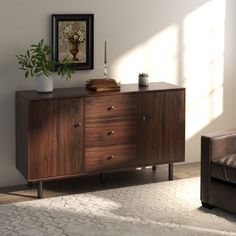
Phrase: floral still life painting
pixel 73 39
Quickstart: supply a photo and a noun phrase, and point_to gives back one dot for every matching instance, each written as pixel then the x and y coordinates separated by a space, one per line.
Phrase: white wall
pixel 179 41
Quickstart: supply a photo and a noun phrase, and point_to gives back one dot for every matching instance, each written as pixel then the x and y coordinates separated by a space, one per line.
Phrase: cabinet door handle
pixel 78 125
pixel 111 132
pixel 112 107
pixel 111 157
pixel 144 118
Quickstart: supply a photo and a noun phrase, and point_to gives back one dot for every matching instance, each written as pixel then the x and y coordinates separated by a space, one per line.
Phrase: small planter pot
pixel 143 81
pixel 44 84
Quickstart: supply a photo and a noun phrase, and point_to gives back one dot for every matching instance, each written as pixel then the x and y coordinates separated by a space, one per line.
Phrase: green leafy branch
pixel 36 61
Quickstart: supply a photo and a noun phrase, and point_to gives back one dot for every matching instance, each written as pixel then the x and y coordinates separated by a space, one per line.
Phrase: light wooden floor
pixel 91 183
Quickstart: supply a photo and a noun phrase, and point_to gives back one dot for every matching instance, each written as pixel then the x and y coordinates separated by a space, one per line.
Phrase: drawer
pixel 106 158
pixel 113 132
pixel 112 106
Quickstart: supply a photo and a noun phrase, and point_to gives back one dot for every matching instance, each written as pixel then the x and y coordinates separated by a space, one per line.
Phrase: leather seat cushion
pixel 224 168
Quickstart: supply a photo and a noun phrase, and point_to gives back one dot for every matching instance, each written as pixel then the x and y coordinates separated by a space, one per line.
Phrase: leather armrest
pixel 214 146
pixel 221 143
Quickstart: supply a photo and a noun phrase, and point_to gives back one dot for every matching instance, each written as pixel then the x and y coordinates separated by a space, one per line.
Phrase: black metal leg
pixel 102 178
pixel 207 205
pixel 171 175
pixel 40 189
pixel 154 168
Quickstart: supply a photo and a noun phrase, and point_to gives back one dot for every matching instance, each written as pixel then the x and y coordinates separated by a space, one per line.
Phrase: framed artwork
pixel 72 37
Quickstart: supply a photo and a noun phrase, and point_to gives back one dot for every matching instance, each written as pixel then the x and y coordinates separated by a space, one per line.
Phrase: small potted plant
pixel 37 63
pixel 143 79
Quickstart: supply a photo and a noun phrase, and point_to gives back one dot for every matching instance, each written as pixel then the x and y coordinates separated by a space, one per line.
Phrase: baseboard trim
pixel 13 188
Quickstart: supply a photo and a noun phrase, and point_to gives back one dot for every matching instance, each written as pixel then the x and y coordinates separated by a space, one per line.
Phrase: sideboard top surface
pixel 83 92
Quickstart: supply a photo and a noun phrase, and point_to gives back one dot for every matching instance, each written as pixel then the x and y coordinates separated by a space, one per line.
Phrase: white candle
pixel 105 52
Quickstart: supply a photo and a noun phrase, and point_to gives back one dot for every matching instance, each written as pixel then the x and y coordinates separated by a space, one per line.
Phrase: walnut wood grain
pixel 65 133
pixel 110 157
pixel 173 123
pixel 114 106
pixel 22 135
pixel 114 131
pixel 161 127
pixel 55 145
pixel 42 139
pixel 70 137
pixel 81 92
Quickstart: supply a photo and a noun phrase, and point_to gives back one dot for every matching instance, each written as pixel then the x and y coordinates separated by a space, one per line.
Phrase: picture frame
pixel 73 38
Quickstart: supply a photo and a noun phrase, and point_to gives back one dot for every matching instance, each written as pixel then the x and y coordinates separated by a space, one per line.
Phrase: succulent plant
pixel 143 75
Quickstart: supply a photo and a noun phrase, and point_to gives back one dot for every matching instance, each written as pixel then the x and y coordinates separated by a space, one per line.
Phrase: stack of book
pixel 100 85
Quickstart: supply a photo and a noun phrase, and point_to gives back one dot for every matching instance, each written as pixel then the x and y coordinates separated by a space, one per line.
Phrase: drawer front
pixel 110 107
pixel 110 157
pixel 113 132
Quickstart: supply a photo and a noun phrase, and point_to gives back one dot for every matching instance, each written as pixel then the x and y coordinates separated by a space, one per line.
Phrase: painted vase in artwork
pixel 74 49
pixel 72 35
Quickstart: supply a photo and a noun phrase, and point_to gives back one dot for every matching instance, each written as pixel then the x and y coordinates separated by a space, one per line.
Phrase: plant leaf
pixel 26 74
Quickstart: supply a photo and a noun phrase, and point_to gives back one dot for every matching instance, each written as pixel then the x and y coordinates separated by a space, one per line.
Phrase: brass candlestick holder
pixel 105 67
pixel 104 84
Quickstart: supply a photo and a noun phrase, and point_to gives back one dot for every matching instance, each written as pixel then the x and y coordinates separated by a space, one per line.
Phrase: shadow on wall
pixel 189 51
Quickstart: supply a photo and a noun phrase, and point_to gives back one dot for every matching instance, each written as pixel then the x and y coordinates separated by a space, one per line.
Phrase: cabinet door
pixel 161 127
pixel 55 138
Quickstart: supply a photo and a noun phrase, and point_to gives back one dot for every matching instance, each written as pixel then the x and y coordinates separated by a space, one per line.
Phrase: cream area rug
pixel 163 208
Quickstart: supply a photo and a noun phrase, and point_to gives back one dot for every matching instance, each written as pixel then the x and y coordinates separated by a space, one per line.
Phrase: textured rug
pixel 164 208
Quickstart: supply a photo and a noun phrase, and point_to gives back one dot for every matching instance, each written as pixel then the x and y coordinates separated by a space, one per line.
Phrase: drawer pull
pixel 112 107
pixel 111 132
pixel 144 118
pixel 111 157
pixel 78 125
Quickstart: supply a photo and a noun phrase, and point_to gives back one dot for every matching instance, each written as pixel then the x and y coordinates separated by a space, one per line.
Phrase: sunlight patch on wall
pixel 203 64
pixel 188 53
pixel 156 56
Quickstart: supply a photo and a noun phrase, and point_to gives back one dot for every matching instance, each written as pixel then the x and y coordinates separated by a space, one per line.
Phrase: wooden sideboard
pixel 74 131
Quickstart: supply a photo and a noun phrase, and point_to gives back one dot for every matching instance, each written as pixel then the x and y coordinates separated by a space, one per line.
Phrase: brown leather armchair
pixel 218 170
